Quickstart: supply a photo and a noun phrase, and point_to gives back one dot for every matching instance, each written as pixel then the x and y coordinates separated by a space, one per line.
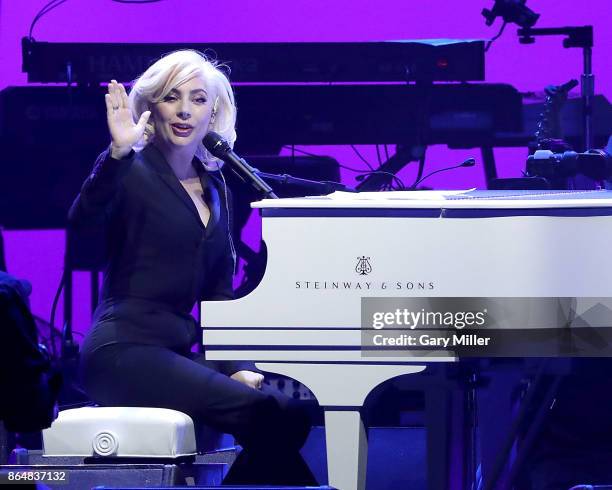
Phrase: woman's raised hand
pixel 124 132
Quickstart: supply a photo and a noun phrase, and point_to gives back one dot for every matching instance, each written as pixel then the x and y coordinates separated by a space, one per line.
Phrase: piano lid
pixel 598 200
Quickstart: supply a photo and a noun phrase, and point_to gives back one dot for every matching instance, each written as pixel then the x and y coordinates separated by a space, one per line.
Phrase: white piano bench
pixel 120 432
pixel 127 447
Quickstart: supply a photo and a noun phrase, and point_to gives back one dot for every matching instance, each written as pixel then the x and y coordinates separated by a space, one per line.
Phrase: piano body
pixel 327 253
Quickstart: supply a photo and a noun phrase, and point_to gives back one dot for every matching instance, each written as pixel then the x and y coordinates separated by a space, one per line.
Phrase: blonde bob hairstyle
pixel 171 71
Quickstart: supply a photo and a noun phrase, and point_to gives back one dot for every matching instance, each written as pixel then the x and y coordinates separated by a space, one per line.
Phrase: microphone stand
pixel 255 180
pixel 221 149
pixel 577 37
pixel 255 263
pixel 317 187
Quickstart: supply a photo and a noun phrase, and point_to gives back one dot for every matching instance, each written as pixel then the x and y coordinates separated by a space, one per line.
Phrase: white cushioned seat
pixel 135 432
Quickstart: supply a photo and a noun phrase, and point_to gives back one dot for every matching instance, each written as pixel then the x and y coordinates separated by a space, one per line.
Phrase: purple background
pixel 37 255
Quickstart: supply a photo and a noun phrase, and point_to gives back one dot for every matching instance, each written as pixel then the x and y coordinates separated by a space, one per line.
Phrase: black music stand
pixel 85 251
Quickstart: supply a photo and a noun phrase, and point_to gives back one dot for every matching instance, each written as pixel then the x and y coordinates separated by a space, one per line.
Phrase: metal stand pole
pixel 587 85
pixel 577 37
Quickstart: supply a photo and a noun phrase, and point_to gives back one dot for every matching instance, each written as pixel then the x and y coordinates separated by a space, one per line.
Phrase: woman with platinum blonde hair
pixel 161 200
pixel 173 70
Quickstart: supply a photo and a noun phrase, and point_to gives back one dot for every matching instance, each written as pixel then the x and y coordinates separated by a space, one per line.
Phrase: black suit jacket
pixel 161 258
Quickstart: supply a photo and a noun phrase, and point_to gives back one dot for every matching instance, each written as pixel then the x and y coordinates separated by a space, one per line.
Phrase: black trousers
pixel 270 426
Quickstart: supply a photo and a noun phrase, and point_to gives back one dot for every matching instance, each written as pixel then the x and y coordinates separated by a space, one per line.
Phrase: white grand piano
pixel 327 253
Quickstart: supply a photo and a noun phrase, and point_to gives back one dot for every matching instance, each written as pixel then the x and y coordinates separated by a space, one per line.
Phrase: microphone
pixel 470 162
pixel 221 149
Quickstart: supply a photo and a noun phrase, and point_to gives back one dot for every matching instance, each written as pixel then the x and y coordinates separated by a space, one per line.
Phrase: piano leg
pixel 341 389
pixel 347 449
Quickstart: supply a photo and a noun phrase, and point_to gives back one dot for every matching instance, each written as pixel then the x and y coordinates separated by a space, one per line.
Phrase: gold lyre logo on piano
pixel 363 267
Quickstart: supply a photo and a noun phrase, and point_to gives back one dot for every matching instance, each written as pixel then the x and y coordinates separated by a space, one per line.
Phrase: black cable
pixel 56 3
pixel 53 309
pixel 400 184
pixel 378 156
pixel 361 157
pixel 43 11
pixel 45 340
pixel 417 182
pixel 41 320
pixel 497 36
pixel 419 172
pixel 394 178
pixel 46 8
pixel 294 149
pixel 38 15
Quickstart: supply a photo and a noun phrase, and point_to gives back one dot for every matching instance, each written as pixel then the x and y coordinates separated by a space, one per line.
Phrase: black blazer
pixel 161 258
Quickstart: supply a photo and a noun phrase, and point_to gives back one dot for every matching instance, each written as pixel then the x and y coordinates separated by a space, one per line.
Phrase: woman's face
pixel 183 117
